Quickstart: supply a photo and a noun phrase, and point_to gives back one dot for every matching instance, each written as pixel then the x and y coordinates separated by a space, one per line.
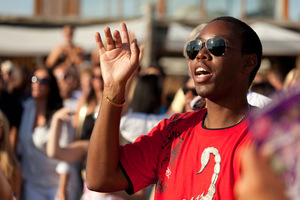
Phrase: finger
pixel 109 39
pixel 99 43
pixel 239 188
pixel 267 150
pixel 124 33
pixel 141 47
pixel 252 162
pixel 248 159
pixel 65 117
pixel 135 53
pixel 118 41
pixel 246 156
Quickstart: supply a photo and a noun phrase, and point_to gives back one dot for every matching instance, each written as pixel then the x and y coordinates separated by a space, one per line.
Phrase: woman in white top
pixel 76 151
pixel 44 178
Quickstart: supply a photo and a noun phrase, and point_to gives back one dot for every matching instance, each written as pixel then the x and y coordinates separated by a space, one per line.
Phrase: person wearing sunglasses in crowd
pixel 67 79
pixel 44 177
pixel 191 155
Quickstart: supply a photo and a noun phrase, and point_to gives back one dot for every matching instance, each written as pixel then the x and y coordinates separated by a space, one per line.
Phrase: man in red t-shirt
pixel 190 155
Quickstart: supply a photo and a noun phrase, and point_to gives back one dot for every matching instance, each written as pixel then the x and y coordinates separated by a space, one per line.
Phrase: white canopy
pixel 276 40
pixel 36 41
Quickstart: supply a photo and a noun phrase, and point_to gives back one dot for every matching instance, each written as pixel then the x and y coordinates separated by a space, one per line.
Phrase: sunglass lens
pixel 44 81
pixel 216 46
pixel 35 79
pixel 186 89
pixel 193 48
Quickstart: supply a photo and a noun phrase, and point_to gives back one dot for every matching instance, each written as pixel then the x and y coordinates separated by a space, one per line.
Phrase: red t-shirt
pixel 175 150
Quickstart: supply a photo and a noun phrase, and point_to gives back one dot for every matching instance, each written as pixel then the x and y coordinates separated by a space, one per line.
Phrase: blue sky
pixel 95 7
pixel 16 7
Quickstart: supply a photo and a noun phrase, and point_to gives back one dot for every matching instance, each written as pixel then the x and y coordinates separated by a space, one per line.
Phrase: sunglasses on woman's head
pixel 216 46
pixel 42 81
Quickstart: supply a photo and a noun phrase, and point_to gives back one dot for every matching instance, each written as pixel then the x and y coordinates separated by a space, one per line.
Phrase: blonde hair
pixel 192 36
pixel 292 78
pixel 8 160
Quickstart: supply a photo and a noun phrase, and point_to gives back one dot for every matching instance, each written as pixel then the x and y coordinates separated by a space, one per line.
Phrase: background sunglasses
pixel 216 46
pixel 185 89
pixel 42 81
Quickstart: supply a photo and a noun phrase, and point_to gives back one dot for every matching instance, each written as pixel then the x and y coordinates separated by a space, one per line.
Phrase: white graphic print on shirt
pixel 217 168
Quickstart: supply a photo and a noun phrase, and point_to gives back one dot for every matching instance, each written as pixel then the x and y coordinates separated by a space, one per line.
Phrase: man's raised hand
pixel 120 58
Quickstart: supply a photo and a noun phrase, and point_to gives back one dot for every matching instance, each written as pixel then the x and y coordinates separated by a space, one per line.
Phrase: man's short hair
pixel 251 43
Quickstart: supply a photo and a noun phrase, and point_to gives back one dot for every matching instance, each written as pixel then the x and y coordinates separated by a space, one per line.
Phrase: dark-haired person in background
pixel 44 178
pixel 143 113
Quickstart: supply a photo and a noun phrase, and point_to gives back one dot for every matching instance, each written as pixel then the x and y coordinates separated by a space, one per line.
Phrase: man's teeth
pixel 201 71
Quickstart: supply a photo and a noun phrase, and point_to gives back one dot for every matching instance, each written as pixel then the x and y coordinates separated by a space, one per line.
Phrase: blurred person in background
pixel 76 152
pixel 157 70
pixel 67 53
pixel 85 78
pixel 67 79
pixel 275 79
pixel 292 79
pixel 85 114
pixel 44 178
pixel 21 83
pixel 12 108
pixel 7 68
pixel 293 76
pixel 190 94
pixel 143 112
pixel 8 162
pixel 263 88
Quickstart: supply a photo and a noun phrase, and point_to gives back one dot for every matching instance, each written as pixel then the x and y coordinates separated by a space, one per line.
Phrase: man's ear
pixel 250 64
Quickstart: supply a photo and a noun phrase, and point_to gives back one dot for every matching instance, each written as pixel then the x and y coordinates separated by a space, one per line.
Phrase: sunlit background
pixel 173 8
pixel 29 29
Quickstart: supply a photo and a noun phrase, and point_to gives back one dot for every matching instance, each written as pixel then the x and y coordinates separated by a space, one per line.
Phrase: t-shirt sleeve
pixel 140 159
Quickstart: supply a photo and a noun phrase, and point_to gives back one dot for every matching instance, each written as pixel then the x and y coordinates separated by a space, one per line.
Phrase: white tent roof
pixel 276 40
pixel 28 41
pixel 22 41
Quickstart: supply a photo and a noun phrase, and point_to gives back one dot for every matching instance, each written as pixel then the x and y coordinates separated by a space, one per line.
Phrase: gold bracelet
pixel 113 103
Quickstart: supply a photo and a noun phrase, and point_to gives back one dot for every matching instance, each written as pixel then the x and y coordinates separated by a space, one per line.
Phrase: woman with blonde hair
pixel 8 161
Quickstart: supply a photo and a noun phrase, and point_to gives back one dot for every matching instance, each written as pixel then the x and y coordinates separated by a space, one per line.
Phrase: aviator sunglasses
pixel 216 46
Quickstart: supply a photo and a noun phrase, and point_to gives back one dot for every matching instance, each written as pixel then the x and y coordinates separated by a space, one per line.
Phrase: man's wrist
pixel 114 95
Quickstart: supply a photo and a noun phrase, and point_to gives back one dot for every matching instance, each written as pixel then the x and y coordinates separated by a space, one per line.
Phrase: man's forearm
pixel 103 153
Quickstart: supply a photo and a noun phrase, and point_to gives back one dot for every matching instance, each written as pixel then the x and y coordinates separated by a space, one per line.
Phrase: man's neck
pixel 223 116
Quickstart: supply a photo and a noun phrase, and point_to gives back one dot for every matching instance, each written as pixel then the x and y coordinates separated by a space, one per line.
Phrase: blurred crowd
pixel 47 116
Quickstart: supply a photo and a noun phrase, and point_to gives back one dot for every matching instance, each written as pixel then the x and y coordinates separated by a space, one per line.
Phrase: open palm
pixel 120 59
